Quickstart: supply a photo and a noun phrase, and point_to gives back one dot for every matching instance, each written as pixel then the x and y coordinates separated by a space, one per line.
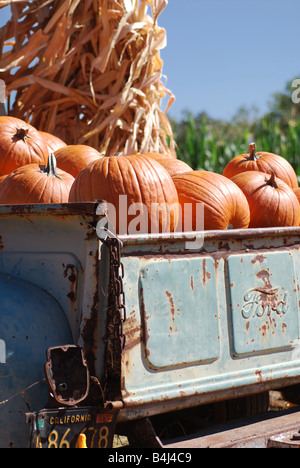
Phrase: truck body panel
pixel 48 281
pixel 209 316
pixel 30 321
pixel 203 324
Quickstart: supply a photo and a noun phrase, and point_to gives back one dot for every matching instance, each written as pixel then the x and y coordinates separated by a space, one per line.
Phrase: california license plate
pixel 86 427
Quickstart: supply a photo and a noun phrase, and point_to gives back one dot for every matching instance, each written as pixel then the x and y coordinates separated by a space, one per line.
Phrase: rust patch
pixel 89 331
pixel 70 272
pixel 132 331
pixel 172 310
pixel 205 274
pixel 264 275
pixel 264 329
pixel 192 283
pixel 268 295
pixel 258 258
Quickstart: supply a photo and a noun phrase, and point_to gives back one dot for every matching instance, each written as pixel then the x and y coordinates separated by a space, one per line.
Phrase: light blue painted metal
pixel 263 302
pixel 205 321
pixel 30 321
pixel 180 329
pixel 49 288
pixel 235 332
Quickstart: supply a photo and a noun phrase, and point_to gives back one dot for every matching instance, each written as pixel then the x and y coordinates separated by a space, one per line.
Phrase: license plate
pixel 62 428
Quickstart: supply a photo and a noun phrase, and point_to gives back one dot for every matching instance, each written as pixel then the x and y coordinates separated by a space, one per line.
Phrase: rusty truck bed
pixel 212 323
pixel 209 317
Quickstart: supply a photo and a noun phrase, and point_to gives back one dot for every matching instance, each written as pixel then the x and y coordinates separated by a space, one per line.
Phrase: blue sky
pixel 224 54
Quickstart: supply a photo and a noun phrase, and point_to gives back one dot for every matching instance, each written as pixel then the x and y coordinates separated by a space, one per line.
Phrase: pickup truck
pixel 167 339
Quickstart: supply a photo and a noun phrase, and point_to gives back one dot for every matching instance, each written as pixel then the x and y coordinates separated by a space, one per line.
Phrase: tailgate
pixel 212 321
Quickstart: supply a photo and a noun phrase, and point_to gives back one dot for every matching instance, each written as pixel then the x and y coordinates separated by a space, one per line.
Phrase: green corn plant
pixel 210 145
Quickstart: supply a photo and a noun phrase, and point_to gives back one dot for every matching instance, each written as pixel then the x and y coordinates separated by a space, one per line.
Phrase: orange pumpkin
pixel 172 165
pixel 54 143
pixel 225 205
pixel 297 193
pixel 34 183
pixel 262 161
pixel 146 185
pixel 74 158
pixel 2 178
pixel 20 144
pixel 271 201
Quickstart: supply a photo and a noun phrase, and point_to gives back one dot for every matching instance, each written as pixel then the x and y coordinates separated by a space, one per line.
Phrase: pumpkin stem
pixel 253 156
pixel 22 134
pixel 50 169
pixel 272 180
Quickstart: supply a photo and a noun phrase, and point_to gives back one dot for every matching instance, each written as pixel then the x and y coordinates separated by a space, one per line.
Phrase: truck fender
pixel 31 321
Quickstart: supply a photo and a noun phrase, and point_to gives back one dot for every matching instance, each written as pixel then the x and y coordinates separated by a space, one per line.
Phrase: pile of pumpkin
pixel 255 190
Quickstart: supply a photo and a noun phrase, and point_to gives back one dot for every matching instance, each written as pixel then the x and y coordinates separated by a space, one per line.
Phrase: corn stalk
pixel 89 71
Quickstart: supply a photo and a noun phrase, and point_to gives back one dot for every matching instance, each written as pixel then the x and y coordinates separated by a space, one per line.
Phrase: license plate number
pixel 61 428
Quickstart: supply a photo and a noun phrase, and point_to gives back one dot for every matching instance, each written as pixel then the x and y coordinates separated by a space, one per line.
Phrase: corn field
pixel 210 145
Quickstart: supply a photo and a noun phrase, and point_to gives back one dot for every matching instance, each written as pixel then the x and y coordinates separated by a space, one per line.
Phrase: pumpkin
pixel 20 144
pixel 54 143
pixel 34 183
pixel 2 178
pixel 74 158
pixel 297 193
pixel 172 165
pixel 271 201
pixel 225 205
pixel 130 184
pixel 262 161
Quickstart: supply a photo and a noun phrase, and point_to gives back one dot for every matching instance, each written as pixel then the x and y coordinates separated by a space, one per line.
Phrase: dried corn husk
pixel 89 71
